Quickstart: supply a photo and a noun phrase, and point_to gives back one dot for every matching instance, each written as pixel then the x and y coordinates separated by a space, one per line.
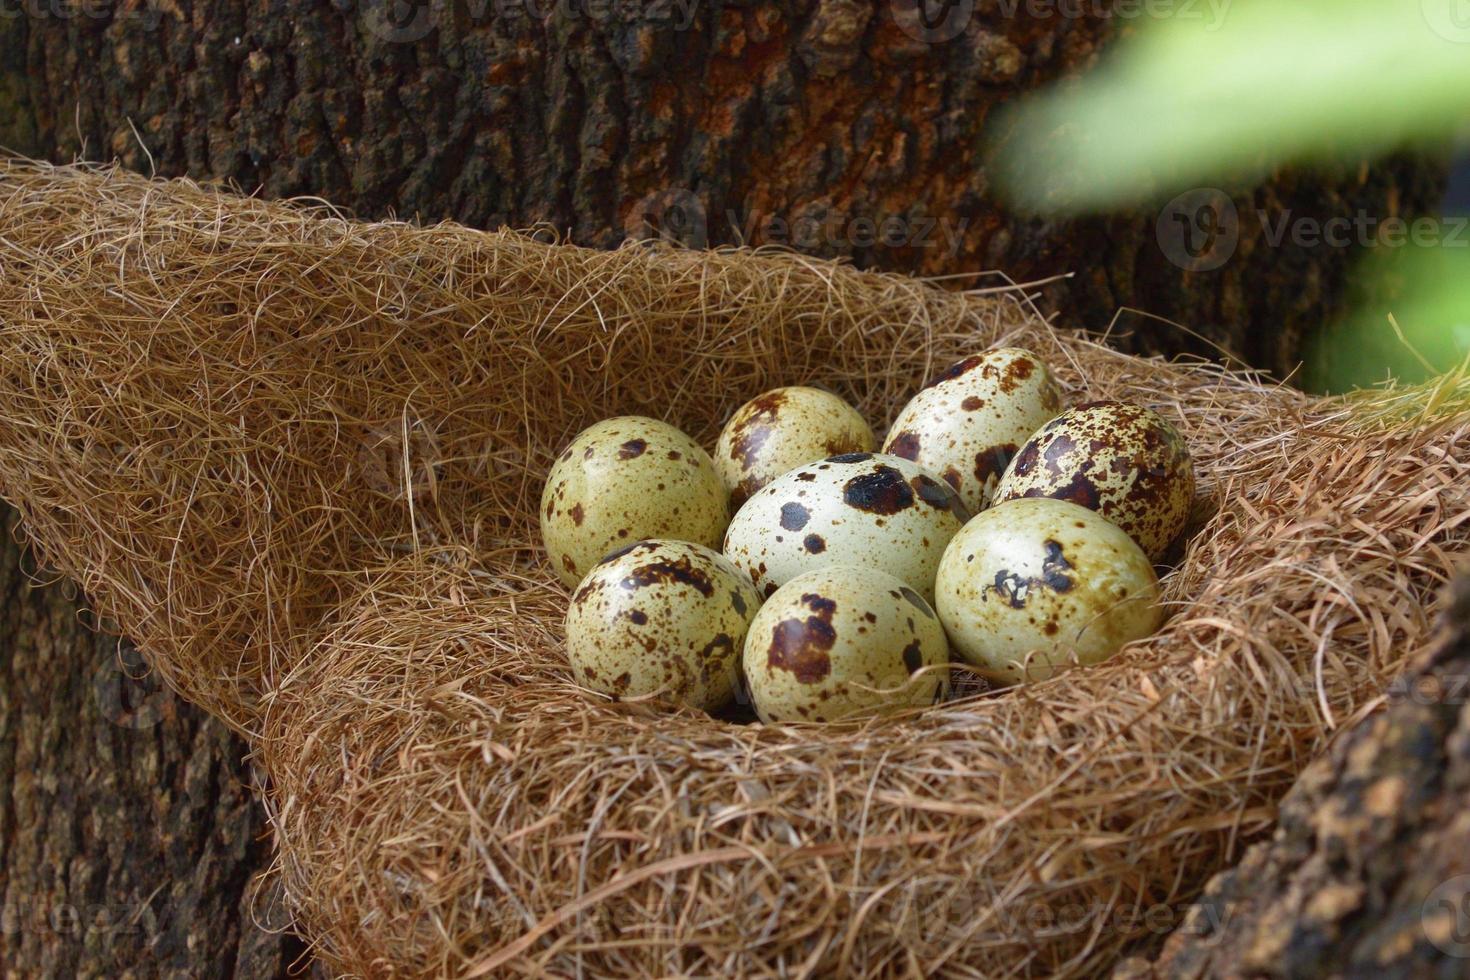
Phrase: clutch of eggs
pixel 869 565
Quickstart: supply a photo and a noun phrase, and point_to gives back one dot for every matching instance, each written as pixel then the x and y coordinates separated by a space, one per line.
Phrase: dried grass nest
pixel 297 459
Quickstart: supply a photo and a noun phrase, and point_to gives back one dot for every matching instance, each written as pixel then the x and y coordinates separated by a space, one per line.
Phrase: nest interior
pixel 297 459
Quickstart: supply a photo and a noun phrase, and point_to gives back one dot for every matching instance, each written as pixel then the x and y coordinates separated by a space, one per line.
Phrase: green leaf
pixel 1195 99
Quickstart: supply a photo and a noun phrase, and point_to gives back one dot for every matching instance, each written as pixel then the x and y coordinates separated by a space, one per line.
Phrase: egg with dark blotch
pixel 968 423
pixel 842 643
pixel 661 617
pixel 781 430
pixel 623 480
pixel 1031 584
pixel 862 509
pixel 1121 460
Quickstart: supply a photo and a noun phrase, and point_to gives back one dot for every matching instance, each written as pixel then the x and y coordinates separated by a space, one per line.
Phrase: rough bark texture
pixel 1368 874
pixel 128 833
pixel 789 122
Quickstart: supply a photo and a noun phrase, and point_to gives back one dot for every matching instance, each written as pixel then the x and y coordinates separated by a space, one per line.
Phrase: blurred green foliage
pixel 1422 332
pixel 1198 101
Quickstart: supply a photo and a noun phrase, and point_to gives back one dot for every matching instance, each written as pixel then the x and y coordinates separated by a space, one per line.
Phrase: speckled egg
pixel 784 429
pixel 1044 576
pixel 841 642
pixel 862 509
pixel 1123 461
pixel 661 616
pixel 623 480
pixel 969 422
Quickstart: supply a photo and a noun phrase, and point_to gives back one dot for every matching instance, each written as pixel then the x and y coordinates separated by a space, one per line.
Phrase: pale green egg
pixel 661 617
pixel 1031 584
pixel 862 509
pixel 623 480
pixel 843 642
pixel 783 429
pixel 968 423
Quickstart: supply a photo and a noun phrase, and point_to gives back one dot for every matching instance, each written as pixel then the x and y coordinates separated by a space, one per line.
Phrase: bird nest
pixel 297 459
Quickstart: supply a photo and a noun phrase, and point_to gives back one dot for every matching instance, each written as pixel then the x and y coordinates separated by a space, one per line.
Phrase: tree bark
pixel 128 833
pixel 838 127
pixel 1368 874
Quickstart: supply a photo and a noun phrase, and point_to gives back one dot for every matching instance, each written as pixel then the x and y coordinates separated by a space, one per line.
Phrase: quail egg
pixel 969 422
pixel 784 429
pixel 1048 577
pixel 861 509
pixel 623 480
pixel 1123 461
pixel 840 642
pixel 661 616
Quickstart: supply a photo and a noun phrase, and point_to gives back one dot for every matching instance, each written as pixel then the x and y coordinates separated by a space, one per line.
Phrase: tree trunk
pixel 128 833
pixel 839 127
pixel 1368 874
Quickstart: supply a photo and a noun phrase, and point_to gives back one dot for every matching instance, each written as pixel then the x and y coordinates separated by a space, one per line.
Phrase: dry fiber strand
pixel 297 458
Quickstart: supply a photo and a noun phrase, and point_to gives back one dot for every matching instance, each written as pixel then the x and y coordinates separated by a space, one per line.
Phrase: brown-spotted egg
pixel 862 509
pixel 841 642
pixel 623 480
pixel 661 616
pixel 1121 460
pixel 1046 578
pixel 781 430
pixel 969 422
